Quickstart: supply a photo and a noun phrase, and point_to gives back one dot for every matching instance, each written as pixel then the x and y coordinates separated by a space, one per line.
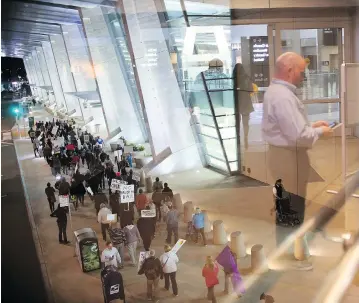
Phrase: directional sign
pixel 127 193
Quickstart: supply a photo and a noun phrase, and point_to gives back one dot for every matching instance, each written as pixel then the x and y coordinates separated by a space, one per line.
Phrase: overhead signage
pixel 259 54
pixel 330 36
pixel 127 193
pixel 259 49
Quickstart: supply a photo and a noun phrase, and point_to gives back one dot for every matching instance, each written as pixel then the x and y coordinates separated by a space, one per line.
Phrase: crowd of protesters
pixel 66 150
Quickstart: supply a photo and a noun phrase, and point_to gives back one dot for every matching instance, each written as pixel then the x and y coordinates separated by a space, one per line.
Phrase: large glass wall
pixel 120 41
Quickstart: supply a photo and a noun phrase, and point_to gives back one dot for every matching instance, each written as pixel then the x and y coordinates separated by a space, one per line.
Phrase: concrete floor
pixel 242 203
pixel 241 208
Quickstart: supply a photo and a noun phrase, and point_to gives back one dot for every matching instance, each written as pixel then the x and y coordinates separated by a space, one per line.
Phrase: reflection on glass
pixel 323 111
pixel 320 49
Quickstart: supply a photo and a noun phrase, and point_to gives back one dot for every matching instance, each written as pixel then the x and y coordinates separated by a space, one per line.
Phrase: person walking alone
pixel 61 214
pixel 102 219
pixel 110 255
pixel 172 223
pixel 118 238
pixel 132 239
pixel 198 223
pixel 210 274
pixel 50 194
pixel 169 262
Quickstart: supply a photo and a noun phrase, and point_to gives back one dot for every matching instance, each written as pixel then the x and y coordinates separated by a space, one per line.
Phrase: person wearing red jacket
pixel 210 274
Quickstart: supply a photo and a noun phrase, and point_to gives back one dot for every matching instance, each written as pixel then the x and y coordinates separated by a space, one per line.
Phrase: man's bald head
pixel 290 67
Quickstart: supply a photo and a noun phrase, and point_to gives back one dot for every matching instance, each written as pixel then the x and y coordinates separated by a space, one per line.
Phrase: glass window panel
pixel 233 166
pixel 213 147
pixel 323 111
pixel 230 145
pixel 217 163
pixel 228 132
pixel 209 131
pixel 320 48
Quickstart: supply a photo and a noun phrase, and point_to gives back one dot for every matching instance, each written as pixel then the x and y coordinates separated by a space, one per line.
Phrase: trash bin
pixel 86 249
pixel 112 285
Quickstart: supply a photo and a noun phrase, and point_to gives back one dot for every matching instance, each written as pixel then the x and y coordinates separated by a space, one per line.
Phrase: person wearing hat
pixel 102 219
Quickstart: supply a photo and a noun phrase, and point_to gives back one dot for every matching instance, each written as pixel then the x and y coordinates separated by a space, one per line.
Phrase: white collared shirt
pixel 285 122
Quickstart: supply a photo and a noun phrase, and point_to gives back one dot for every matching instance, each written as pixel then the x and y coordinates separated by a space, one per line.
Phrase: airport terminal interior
pixel 177 89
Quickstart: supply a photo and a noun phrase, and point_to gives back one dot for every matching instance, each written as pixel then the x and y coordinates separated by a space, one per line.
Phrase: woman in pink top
pixel 210 274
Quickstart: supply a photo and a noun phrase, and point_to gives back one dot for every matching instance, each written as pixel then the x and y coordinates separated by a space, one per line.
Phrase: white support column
pixel 110 77
pixel 54 75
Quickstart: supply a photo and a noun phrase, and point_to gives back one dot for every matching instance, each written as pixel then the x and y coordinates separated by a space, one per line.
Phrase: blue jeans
pixel 172 229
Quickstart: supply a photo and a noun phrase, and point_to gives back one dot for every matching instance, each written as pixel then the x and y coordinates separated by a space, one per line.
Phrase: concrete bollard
pixel 237 244
pixel 177 202
pixel 207 223
pixel 258 258
pixel 219 234
pixel 301 250
pixel 148 184
pixel 142 179
pixel 188 211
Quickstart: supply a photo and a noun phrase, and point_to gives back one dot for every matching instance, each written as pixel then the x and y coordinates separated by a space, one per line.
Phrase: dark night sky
pixel 11 68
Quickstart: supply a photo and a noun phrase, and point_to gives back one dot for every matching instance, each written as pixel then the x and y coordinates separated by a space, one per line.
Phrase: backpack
pixel 150 271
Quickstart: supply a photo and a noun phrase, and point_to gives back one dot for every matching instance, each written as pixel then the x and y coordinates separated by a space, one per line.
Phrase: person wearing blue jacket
pixel 198 224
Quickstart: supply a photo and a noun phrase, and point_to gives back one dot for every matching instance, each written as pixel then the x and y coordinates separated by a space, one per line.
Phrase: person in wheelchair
pixel 284 214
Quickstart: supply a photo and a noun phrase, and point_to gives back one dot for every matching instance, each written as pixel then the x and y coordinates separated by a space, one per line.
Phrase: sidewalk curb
pixel 39 249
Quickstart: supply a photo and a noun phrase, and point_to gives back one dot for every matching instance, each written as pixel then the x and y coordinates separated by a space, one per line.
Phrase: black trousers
pixel 147 243
pixel 171 276
pixel 51 204
pixel 62 231
pixel 104 228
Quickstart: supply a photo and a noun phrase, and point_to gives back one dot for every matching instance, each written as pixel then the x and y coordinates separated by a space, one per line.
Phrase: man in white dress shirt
pixel 287 130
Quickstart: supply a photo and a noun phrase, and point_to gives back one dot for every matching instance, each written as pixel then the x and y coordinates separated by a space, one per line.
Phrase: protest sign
pixel 115 185
pixel 178 245
pixel 54 130
pixel 143 256
pixel 111 218
pixel 64 200
pixel 89 190
pixel 127 193
pixel 148 213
